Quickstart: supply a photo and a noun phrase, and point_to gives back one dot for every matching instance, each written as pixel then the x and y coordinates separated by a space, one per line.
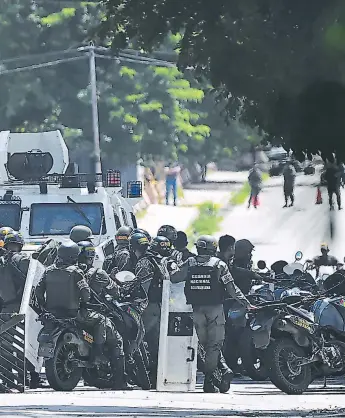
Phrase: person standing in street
pixel 333 176
pixel 171 172
pixel 208 283
pixel 255 183
pixel 289 174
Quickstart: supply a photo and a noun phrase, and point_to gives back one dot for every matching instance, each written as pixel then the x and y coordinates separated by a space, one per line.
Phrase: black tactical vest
pixel 203 286
pixel 62 292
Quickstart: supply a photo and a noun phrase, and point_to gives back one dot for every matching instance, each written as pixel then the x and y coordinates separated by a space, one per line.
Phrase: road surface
pixel 246 399
pixel 276 233
pixel 279 232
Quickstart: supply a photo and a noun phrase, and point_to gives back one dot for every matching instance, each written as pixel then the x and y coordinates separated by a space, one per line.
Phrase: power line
pixel 43 65
pixel 120 58
pixel 38 55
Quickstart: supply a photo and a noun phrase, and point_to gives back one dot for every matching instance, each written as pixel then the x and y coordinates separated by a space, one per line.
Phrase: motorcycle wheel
pixel 284 371
pixel 98 377
pixel 252 359
pixel 61 373
pixel 142 377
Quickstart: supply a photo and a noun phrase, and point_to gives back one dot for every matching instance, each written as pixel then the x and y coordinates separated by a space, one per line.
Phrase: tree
pixel 266 58
pixel 144 111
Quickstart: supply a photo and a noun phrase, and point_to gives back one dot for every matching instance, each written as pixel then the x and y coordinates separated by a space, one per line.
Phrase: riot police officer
pixel 170 232
pixel 161 245
pixel 13 272
pixel 142 231
pixel 101 284
pixel 122 259
pixel 149 274
pixel 243 254
pixel 62 291
pixel 208 282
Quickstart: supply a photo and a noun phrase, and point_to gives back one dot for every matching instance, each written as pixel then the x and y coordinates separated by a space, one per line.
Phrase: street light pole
pixel 94 104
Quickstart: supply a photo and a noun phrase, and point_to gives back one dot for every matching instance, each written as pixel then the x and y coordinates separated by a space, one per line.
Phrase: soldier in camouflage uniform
pixel 122 259
pixel 101 284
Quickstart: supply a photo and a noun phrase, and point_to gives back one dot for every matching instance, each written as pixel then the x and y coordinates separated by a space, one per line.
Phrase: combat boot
pixel 227 375
pixel 209 386
pixel 119 377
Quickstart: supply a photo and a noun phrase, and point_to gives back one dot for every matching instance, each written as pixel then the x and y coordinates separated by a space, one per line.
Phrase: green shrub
pixel 206 223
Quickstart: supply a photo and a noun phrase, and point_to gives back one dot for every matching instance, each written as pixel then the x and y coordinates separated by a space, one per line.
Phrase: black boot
pixel 227 375
pixel 35 381
pixel 209 386
pixel 119 378
pixel 97 357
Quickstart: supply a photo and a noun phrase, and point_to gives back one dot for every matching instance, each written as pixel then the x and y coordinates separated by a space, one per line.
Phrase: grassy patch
pixel 180 193
pixel 242 195
pixel 206 223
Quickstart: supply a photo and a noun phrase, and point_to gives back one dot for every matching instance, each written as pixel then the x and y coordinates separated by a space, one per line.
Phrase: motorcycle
pixel 303 345
pixel 66 348
pixel 284 281
pixel 322 271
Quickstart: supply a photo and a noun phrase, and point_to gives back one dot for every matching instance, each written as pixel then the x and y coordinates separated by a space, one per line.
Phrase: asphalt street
pixel 245 399
pixel 277 234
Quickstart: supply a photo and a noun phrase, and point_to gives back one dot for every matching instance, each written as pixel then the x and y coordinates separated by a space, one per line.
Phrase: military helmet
pixel 141 231
pixel 169 232
pixel 243 247
pixel 138 241
pixel 161 245
pixel 80 233
pixel 122 235
pixel 14 237
pixel 87 250
pixel 207 242
pixel 5 230
pixel 68 251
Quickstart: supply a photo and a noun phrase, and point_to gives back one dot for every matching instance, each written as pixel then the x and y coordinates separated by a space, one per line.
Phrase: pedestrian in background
pixel 255 183
pixel 333 177
pixel 172 170
pixel 289 174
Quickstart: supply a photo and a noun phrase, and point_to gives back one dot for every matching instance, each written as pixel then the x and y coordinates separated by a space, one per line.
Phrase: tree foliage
pixel 278 63
pixel 144 111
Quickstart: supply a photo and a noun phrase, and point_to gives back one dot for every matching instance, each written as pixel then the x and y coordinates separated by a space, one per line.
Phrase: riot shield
pixel 178 343
pixel 30 309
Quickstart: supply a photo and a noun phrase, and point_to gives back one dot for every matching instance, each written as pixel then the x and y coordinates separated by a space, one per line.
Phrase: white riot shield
pixel 178 342
pixel 32 327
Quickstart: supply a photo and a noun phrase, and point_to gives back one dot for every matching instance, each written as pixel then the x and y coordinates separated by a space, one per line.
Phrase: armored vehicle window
pixel 134 221
pixel 124 216
pixel 117 220
pixel 10 215
pixel 60 218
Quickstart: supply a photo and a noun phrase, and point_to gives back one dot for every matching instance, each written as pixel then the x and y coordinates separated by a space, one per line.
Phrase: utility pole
pixel 94 104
